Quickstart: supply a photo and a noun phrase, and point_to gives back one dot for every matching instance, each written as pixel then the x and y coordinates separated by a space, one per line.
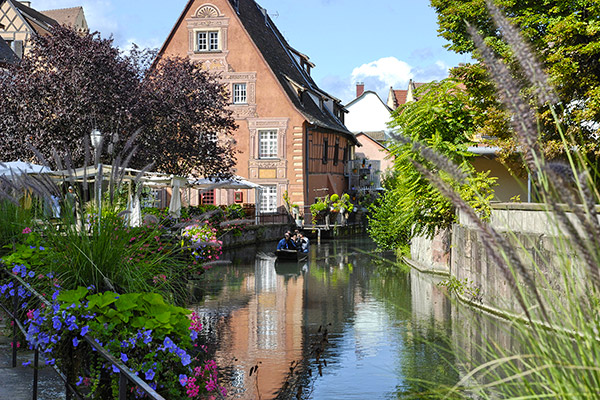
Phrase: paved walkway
pixel 16 383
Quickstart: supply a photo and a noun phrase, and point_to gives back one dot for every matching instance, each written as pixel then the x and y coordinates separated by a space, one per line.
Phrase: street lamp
pixel 96 139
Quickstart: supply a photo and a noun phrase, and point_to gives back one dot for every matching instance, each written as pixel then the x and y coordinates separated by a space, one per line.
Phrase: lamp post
pixel 96 139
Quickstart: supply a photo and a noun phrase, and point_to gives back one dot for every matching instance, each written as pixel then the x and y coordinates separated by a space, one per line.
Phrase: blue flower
pixel 75 342
pixel 186 359
pixel 55 295
pixel 115 369
pixel 124 357
pixel 85 330
pixel 56 324
pixel 183 380
pixel 42 248
pixel 50 362
pixel 193 335
pixel 150 374
pixel 31 274
pixel 80 381
pixel 26 363
pixel 147 336
pixel 50 275
pixel 168 343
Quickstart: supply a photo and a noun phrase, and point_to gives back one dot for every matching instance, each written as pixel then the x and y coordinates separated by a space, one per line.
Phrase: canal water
pixel 339 326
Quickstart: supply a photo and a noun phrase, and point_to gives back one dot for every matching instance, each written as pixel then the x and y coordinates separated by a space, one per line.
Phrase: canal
pixel 339 326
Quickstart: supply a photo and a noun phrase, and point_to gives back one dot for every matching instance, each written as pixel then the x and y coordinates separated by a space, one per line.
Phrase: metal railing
pixel 125 374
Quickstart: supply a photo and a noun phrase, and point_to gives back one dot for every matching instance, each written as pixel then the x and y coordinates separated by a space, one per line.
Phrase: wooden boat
pixel 285 254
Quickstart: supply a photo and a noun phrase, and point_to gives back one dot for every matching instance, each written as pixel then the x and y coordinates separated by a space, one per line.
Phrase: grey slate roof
pixel 7 56
pixel 275 50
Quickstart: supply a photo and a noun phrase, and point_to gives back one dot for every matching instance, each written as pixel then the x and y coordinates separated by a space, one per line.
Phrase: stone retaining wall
pixel 533 237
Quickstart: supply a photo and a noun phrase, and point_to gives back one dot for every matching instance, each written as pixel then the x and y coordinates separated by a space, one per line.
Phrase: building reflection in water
pixel 380 327
pixel 263 330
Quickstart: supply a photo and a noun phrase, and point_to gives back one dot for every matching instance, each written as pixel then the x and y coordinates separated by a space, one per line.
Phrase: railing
pixel 125 374
pixel 274 218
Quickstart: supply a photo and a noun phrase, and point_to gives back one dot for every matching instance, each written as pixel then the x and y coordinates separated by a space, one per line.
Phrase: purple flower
pixel 186 359
pixel 124 357
pixel 183 380
pixel 56 324
pixel 150 374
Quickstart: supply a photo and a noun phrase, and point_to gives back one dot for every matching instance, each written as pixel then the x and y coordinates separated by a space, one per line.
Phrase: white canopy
pixel 236 182
pixel 17 168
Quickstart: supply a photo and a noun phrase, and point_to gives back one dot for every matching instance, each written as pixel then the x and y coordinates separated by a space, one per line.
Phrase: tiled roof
pixel 400 97
pixel 275 50
pixel 7 56
pixel 64 16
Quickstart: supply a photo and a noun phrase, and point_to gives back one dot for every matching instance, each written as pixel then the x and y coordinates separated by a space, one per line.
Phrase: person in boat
pixel 286 243
pixel 302 243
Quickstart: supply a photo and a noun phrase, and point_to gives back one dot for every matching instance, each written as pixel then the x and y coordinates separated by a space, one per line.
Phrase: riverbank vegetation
pixel 554 341
pixel 440 122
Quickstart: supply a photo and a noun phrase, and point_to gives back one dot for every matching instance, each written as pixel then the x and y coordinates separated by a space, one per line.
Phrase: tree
pixel 565 34
pixel 71 83
pixel 441 119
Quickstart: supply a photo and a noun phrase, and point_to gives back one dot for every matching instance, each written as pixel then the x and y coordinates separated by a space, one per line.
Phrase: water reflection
pixel 370 326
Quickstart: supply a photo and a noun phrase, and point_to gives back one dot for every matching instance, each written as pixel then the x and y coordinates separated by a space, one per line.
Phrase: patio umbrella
pixel 17 168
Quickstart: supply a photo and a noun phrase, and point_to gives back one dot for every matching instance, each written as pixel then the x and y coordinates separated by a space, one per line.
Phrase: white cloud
pixel 387 71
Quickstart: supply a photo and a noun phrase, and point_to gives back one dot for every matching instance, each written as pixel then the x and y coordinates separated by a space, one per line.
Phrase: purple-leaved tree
pixel 72 83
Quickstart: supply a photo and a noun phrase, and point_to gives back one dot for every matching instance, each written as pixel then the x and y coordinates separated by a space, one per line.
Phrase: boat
pixel 285 254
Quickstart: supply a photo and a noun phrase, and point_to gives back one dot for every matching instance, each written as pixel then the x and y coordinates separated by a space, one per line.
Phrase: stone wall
pixel 255 234
pixel 533 237
pixel 431 254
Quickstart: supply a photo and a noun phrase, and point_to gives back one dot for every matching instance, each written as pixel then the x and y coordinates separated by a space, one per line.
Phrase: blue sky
pixel 382 43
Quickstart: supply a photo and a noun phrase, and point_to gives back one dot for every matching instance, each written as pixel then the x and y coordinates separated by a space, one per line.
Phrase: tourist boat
pixel 285 254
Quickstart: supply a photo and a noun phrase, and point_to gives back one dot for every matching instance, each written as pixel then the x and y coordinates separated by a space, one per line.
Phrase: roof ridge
pixel 60 9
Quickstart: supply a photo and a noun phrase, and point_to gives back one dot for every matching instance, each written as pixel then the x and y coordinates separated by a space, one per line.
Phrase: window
pixel 336 152
pixel 208 41
pixel 239 93
pixel 267 144
pixel 345 157
pixel 268 199
pixel 325 150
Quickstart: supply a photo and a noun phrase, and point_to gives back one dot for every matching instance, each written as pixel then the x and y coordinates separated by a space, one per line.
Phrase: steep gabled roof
pixel 7 56
pixel 64 16
pixel 279 55
pixel 400 97
pixel 39 22
pixel 276 51
pixel 368 93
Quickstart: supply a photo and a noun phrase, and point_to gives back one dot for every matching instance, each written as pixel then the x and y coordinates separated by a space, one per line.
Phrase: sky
pixel 382 43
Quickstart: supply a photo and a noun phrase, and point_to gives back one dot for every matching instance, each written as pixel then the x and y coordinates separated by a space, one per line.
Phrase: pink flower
pixel 26 231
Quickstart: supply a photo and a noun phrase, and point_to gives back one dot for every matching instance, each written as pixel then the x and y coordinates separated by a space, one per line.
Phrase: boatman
pixel 286 243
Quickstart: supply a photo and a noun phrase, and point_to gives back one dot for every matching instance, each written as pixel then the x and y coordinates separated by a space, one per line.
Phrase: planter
pixel 300 223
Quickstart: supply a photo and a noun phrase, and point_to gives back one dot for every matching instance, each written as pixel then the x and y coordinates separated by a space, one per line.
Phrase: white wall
pixel 368 114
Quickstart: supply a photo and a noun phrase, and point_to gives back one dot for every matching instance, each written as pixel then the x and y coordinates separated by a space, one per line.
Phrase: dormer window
pixel 207 41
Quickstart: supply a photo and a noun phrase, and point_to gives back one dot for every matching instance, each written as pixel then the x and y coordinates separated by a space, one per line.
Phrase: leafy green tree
pixel 441 119
pixel 565 35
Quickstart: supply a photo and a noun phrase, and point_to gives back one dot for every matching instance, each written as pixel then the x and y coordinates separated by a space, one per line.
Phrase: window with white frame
pixel 268 199
pixel 207 41
pixel 267 144
pixel 239 93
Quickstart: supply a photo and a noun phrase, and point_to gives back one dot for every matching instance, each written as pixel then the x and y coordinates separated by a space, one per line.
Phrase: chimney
pixel 360 88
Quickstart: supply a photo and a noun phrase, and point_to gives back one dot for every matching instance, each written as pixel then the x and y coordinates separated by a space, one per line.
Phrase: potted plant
pixel 300 221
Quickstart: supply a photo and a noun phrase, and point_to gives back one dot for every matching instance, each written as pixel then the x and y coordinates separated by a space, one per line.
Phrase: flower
pixel 124 357
pixel 183 380
pixel 75 342
pixel 149 374
pixel 26 231
pixel 85 330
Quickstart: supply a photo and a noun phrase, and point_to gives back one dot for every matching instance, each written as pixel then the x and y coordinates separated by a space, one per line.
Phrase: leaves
pixel 71 83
